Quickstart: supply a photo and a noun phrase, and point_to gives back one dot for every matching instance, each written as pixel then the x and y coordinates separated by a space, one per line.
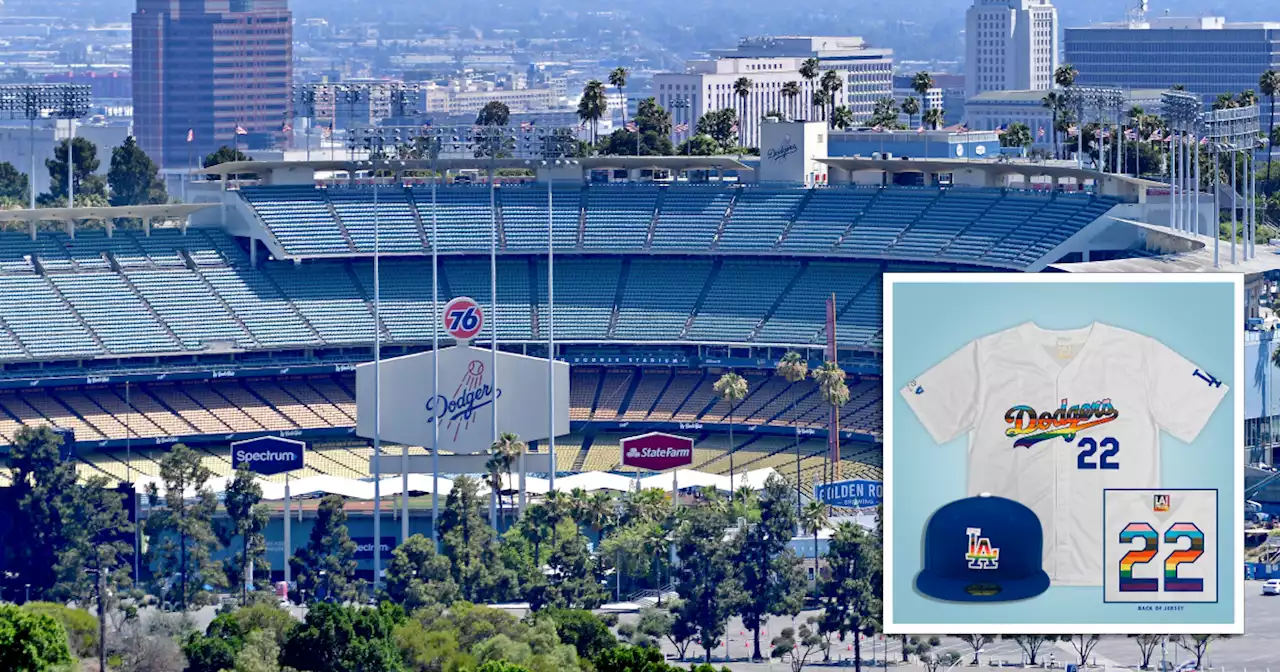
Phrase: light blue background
pixel 932 320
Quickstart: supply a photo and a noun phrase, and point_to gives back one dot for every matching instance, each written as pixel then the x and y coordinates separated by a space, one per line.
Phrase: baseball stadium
pixel 245 311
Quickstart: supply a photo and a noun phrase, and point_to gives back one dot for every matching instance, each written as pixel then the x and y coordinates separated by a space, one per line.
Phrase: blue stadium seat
pixel 190 308
pixel 463 217
pixel 396 225
pixel 739 298
pixel 803 311
pixel 760 215
pixel 585 289
pixel 326 296
pixel 825 218
pixel 891 213
pixel 524 216
pixel 471 277
pixel 114 312
pixel 299 217
pixel 270 317
pixel 655 306
pixel 690 217
pixel 618 217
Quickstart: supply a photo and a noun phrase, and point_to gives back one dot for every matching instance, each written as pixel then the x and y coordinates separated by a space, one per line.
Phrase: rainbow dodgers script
pixel 472 393
pixel 1030 428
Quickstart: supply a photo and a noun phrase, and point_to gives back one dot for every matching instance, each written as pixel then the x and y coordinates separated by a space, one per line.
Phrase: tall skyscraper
pixel 1205 54
pixel 1010 45
pixel 204 70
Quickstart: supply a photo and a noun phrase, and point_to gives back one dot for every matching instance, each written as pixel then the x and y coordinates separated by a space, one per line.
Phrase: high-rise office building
pixel 204 69
pixel 866 75
pixel 1010 45
pixel 1205 54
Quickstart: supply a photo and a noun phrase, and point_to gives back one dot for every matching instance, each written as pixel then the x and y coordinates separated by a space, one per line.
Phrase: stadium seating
pixel 618 218
pixel 397 226
pixel 759 217
pixel 118 316
pixel 299 217
pixel 690 217
pixel 524 217
pixel 653 307
pixel 824 219
pixel 584 295
pixel 463 217
pixel 741 295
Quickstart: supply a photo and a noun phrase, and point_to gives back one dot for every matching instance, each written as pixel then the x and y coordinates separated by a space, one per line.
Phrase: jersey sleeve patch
pixel 944 397
pixel 1183 396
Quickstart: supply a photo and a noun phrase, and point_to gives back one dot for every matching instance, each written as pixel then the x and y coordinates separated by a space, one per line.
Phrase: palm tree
pixel 742 89
pixel 921 82
pixel 537 521
pixel 731 388
pixel 618 80
pixel 559 507
pixel 809 70
pixel 1269 84
pixel 791 91
pixel 1056 102
pixel 911 107
pixel 507 451
pixel 835 391
pixel 1248 97
pixel 1225 101
pixel 493 470
pixel 831 83
pixel 646 507
pixel 793 367
pixel 934 117
pixel 596 512
pixel 813 519
pixel 842 117
pixel 593 105
pixel 819 101
pixel 1065 75
pixel 1017 135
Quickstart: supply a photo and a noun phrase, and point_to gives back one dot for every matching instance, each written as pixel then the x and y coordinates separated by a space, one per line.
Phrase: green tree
pixel 653 133
pixel 831 83
pixel 732 389
pixel 337 638
pixel 742 89
pixel 1017 135
pixel 934 117
pixel 793 367
pixel 582 630
pixel 31 642
pixel 706 584
pixel 852 593
pixel 468 541
pixel 809 70
pixel 1225 101
pixel 770 573
pixel 570 579
pixel 791 91
pixel 812 520
pixel 835 391
pixel 81 626
pixel 98 541
pixel 593 105
pixel 660 623
pixel 181 528
pixel 328 561
pixel 261 653
pixel 1247 98
pixel 632 659
pixel 247 520
pixel 795 648
pixel 1196 645
pixel 618 80
pixel 921 82
pixel 216 649
pixel 1268 84
pixel 720 126
pixel 885 114
pixel 1065 75
pixel 842 118
pixel 1031 645
pixel 134 178
pixel 86 182
pixel 1056 102
pixel 494 113
pixel 507 451
pixel 419 577
pixel 224 154
pixel 911 107
pixel 15 186
pixel 44 495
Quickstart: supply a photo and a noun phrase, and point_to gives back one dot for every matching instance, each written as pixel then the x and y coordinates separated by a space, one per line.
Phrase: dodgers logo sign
pixel 269 454
pixel 457 413
pixel 782 151
pixel 657 451
pixel 855 494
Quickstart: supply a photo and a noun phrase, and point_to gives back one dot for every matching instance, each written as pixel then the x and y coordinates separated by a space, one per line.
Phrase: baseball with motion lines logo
pixel 1031 428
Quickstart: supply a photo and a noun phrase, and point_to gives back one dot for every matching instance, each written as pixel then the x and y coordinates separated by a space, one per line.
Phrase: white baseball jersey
pixel 1055 417
pixel 1160 545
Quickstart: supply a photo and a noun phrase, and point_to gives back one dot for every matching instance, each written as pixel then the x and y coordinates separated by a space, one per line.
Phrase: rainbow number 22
pixel 1106 459
pixel 1150 547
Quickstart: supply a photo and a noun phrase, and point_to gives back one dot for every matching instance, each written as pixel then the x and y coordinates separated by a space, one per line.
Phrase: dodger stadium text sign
pixel 657 451
pixel 854 494
pixel 268 454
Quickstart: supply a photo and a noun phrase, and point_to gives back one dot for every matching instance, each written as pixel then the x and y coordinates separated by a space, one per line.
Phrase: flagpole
pixel 377 389
pixel 551 332
pixel 435 355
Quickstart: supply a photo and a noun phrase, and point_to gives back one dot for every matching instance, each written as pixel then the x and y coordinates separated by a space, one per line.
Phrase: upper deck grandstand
pixel 243 313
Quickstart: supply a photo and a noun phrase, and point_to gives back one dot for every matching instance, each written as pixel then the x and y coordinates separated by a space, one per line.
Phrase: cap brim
pixel 960 590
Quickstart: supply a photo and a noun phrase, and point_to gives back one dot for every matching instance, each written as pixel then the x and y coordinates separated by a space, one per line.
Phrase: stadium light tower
pixel 1234 131
pixel 1182 110
pixel 35 101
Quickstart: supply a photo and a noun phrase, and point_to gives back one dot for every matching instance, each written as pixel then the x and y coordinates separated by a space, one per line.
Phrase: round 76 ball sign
pixel 463 318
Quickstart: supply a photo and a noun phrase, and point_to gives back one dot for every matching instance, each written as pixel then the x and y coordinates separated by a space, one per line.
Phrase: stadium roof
pixel 1035 96
pixel 1197 256
pixel 104 213
pixel 675 163
pixel 1025 168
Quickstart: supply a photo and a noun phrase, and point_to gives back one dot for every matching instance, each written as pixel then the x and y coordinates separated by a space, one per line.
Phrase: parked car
pixel 1271 587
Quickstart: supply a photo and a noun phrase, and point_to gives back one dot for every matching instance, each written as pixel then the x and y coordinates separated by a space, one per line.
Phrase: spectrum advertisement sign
pixel 269 454
pixel 656 451
pixel 364 547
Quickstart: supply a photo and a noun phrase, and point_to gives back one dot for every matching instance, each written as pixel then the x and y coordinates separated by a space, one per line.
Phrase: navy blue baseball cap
pixel 983 549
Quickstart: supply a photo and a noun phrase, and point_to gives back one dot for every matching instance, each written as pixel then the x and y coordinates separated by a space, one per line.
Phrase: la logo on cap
pixel 981 554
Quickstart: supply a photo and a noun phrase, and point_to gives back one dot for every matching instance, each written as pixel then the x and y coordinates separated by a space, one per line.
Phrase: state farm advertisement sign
pixel 657 451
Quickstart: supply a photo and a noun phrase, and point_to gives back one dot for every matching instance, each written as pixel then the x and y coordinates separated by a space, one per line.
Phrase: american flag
pixel 1131 134
pixel 919 130
pixel 582 127
pixel 1105 135
pixel 1204 141
pixel 1156 136
pixel 681 128
pixel 1004 128
pixel 1169 139
pixel 526 125
pixel 734 128
pixel 1040 133
pixel 240 131
pixel 878 128
pixel 286 128
pixel 631 126
pixel 191 134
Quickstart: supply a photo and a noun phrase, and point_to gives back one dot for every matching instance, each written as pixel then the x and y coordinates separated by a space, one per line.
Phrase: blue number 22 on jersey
pixel 1106 459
